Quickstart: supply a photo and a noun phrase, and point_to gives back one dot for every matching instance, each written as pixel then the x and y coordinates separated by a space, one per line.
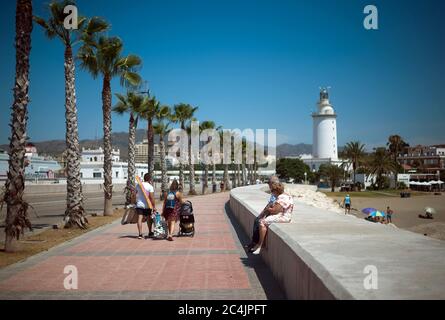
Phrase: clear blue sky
pixel 255 64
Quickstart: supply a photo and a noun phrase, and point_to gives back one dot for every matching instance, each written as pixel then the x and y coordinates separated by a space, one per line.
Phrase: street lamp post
pixel 305 177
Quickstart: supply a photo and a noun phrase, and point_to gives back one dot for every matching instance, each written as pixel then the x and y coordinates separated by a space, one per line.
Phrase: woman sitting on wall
pixel 280 212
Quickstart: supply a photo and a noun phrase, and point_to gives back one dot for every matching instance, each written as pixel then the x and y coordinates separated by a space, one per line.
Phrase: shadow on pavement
pixel 267 281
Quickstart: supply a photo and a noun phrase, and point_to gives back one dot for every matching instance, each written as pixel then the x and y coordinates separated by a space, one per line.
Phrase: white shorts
pixel 275 218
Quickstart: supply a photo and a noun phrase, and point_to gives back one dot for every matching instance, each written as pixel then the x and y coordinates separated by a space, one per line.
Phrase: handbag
pixel 130 216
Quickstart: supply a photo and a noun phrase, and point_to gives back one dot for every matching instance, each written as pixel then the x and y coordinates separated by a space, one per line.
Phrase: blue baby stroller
pixel 160 228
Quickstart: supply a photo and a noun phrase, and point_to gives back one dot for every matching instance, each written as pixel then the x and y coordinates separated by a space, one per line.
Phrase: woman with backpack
pixel 172 205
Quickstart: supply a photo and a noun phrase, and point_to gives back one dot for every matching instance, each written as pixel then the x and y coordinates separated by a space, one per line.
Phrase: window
pixel 117 174
pixel 97 175
pixel 95 159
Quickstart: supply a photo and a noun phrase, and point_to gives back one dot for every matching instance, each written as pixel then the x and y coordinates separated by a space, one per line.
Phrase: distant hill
pixel 120 140
pixel 289 150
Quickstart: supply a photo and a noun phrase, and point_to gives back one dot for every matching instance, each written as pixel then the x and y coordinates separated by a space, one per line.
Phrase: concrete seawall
pixel 326 255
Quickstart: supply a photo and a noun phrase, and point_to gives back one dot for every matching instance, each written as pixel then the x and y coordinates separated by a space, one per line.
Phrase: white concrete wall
pixel 323 254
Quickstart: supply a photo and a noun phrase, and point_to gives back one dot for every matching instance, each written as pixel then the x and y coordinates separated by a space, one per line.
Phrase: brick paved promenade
pixel 113 264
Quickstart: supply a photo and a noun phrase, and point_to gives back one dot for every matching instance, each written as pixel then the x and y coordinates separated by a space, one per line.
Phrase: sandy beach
pixel 406 211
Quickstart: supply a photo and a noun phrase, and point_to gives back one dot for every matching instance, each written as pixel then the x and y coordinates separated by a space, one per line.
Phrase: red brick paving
pixel 111 260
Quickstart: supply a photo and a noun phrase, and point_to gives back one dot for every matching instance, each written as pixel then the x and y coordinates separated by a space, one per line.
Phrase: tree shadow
pixel 267 281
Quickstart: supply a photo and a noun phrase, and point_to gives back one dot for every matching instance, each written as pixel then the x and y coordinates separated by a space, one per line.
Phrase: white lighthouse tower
pixel 324 145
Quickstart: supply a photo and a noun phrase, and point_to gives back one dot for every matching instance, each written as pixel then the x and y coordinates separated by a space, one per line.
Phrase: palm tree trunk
pixel 150 137
pixel 205 184
pixel 131 186
pixel 181 166
pixel 164 183
pixel 192 189
pixel 213 177
pixel 226 177
pixel 106 109
pixel 74 213
pixel 238 178
pixel 17 209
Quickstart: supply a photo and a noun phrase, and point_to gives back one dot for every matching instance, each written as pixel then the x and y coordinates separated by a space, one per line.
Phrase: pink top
pixel 287 203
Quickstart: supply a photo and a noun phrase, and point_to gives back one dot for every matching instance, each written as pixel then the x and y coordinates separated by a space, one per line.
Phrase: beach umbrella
pixel 415 183
pixel 440 182
pixel 430 210
pixel 368 210
pixel 377 213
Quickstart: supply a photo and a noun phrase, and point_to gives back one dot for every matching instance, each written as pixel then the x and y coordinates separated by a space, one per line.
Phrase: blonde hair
pixel 277 188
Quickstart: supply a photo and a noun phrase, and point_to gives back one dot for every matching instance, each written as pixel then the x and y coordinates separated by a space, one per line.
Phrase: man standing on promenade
pixel 347 203
pixel 145 203
pixel 256 224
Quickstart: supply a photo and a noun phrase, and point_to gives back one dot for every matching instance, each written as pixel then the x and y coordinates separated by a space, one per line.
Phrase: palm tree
pixel 17 209
pixel 133 104
pixel 205 125
pixel 162 127
pixel 149 114
pixel 395 145
pixel 184 112
pixel 54 27
pixel 380 164
pixel 226 178
pixel 332 173
pixel 354 151
pixel 103 56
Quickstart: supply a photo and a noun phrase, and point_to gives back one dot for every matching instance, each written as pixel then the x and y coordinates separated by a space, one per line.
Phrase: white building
pixel 324 144
pixel 97 155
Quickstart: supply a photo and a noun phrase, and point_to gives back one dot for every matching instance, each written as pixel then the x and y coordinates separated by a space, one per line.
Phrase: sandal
pixel 140 236
pixel 170 238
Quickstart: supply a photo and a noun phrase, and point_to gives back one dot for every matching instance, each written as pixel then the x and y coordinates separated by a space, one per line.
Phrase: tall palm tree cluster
pixel 102 56
pixel 381 162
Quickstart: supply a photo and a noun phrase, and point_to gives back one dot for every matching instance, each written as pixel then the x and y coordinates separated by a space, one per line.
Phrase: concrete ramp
pixel 326 255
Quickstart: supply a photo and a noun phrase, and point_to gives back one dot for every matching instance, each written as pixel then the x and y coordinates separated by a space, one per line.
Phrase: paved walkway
pixel 113 264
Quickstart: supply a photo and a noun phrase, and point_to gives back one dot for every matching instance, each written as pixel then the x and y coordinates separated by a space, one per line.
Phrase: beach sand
pixel 406 211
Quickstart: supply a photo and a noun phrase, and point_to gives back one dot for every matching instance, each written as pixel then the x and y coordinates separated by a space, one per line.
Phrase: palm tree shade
pixel 332 173
pixel 162 128
pixel 133 104
pixel 184 114
pixel 101 55
pixel 54 28
pixel 17 209
pixel 355 152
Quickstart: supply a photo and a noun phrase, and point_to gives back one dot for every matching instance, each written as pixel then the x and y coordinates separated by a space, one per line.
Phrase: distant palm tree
pixel 149 114
pixel 381 163
pixel 164 119
pixel 226 178
pixel 54 27
pixel 103 56
pixel 17 209
pixel 205 125
pixel 332 173
pixel 184 113
pixel 396 144
pixel 133 104
pixel 355 152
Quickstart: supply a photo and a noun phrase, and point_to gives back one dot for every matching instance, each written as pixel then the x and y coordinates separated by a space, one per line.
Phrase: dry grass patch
pixel 33 244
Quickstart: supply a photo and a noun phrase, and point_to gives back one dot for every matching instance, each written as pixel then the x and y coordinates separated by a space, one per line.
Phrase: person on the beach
pixel 171 207
pixel 142 207
pixel 347 202
pixel 256 223
pixel 280 212
pixel 389 214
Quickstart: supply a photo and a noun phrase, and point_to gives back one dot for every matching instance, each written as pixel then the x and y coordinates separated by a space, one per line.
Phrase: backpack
pixel 171 200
